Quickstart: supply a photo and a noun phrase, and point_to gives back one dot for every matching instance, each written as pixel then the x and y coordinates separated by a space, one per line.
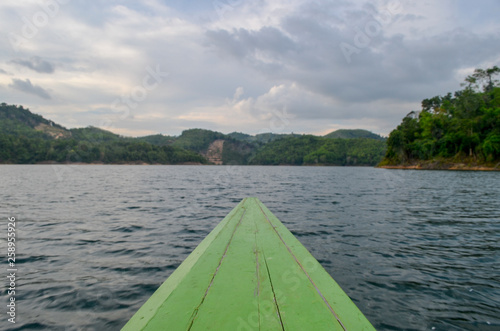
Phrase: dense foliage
pixel 197 140
pixel 313 150
pixel 93 134
pixel 19 149
pixel 351 134
pixel 237 152
pixel 460 127
pixel 261 138
pixel 158 139
pixel 20 121
pixel 29 138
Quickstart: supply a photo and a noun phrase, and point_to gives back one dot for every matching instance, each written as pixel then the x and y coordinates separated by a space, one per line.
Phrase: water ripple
pixel 415 250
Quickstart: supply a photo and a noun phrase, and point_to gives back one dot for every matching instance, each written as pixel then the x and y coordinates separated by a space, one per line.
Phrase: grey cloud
pixel 243 43
pixel 37 64
pixel 412 18
pixel 3 72
pixel 27 87
pixel 307 51
pixel 406 70
pixel 300 47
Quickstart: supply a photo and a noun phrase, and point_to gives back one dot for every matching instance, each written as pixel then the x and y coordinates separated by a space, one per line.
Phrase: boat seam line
pixel 304 270
pixel 274 294
pixel 257 271
pixel 217 270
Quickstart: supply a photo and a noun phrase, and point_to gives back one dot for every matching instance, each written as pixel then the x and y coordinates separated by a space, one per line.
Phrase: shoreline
pixel 420 166
pixel 449 167
pixel 188 163
pixel 102 163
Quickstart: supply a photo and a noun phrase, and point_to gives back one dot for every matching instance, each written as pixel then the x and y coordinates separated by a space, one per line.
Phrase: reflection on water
pixel 414 250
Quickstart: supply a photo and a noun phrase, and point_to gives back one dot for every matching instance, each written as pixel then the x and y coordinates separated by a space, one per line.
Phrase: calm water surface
pixel 415 250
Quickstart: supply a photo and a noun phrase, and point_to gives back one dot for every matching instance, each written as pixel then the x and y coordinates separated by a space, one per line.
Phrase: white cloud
pixel 235 68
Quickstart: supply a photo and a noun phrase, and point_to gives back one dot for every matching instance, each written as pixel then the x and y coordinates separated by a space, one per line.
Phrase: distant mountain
pixel 93 134
pixel 29 138
pixel 352 134
pixel 218 148
pixel 158 139
pixel 314 150
pixel 197 140
pixel 261 138
pixel 240 136
pixel 18 120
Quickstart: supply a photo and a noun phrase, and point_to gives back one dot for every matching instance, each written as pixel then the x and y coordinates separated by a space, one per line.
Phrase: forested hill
pixel 313 150
pixel 463 128
pixel 16 120
pixel 29 138
pixel 352 134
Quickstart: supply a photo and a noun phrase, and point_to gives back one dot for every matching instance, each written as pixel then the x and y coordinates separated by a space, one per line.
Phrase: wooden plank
pixel 206 258
pixel 298 300
pixel 345 312
pixel 227 298
pixel 249 273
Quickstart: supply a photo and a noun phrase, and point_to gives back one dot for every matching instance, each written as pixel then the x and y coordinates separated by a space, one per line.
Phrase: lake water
pixel 415 250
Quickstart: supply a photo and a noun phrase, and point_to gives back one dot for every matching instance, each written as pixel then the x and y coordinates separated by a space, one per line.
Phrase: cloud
pixel 36 64
pixel 306 51
pixel 27 87
pixel 241 66
pixel 3 72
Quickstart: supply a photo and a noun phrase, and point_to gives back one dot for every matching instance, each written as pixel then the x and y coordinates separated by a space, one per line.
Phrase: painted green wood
pixel 249 273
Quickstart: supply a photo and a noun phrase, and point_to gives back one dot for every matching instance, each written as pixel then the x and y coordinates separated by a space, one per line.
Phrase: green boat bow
pixel 249 273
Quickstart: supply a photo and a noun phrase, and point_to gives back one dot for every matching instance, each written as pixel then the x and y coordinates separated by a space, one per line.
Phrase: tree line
pixel 27 138
pixel 459 127
pixel 24 150
pixel 314 150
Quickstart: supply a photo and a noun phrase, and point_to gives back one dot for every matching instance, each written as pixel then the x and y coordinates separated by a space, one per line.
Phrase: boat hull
pixel 249 273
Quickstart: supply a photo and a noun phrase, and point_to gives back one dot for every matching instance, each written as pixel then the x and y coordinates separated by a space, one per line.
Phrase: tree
pixel 484 77
pixel 463 125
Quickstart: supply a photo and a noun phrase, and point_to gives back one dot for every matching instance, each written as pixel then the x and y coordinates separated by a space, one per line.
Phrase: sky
pixel 303 66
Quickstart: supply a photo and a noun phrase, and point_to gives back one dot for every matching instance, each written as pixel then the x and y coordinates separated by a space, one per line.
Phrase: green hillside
pixel 313 150
pixel 261 138
pixel 197 140
pixel 238 152
pixel 17 120
pixel 352 134
pixel 29 138
pixel 157 139
pixel 241 136
pixel 459 128
pixel 93 134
